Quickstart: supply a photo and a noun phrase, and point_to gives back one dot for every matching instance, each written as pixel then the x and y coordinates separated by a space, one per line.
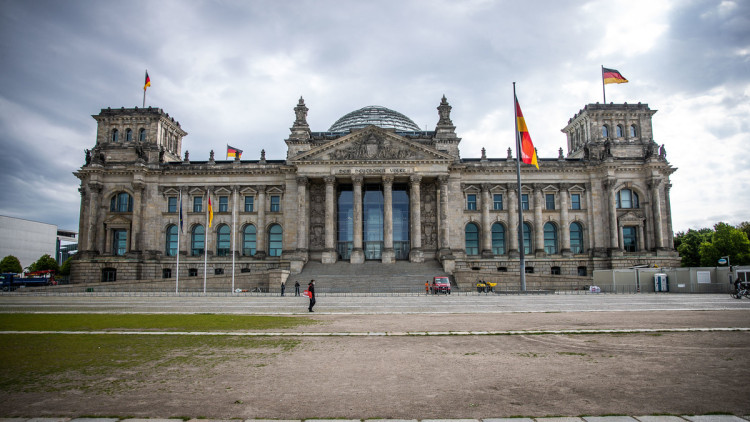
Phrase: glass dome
pixel 374 115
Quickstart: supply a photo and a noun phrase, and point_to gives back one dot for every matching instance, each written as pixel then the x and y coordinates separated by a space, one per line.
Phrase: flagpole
pixel 144 91
pixel 522 263
pixel 205 241
pixel 234 222
pixel 177 269
pixel 604 93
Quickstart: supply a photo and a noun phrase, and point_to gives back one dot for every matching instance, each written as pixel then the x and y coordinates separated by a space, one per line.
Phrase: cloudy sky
pixel 232 71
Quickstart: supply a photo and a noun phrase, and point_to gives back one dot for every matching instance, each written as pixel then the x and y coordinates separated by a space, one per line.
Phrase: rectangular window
pixel 549 200
pixel 119 242
pixel 471 202
pixel 525 201
pixel 630 238
pixel 249 203
pixel 198 204
pixel 223 204
pixel 497 202
pixel 575 201
pixel 172 204
pixel 275 203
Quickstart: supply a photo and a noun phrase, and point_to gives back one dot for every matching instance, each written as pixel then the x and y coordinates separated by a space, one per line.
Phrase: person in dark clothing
pixel 296 288
pixel 311 289
pixel 283 287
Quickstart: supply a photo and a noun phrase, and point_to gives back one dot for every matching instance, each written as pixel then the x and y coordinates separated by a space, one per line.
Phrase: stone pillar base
pixel 566 252
pixel 329 257
pixel 539 253
pixel 388 256
pixel 416 255
pixel 487 254
pixel 358 257
pixel 514 254
pixel 615 252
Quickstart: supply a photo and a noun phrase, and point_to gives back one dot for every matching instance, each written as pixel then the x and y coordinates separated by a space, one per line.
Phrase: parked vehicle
pixel 441 285
pixel 485 286
pixel 12 281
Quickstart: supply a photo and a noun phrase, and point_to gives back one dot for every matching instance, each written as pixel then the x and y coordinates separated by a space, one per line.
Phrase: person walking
pixel 311 289
pixel 296 288
pixel 283 286
pixel 427 287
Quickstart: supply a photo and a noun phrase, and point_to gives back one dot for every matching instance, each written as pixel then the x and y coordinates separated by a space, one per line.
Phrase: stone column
pixel 302 214
pixel 260 237
pixel 329 255
pixel 564 220
pixel 486 230
pixel 136 233
pixel 388 256
pixel 415 203
pixel 95 190
pixel 668 202
pixel 658 226
pixel 358 255
pixel 641 244
pixel 513 251
pixel 612 208
pixel 538 223
pixel 443 220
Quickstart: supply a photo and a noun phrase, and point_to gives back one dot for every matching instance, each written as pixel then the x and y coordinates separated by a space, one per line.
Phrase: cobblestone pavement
pixel 659 418
pixel 390 304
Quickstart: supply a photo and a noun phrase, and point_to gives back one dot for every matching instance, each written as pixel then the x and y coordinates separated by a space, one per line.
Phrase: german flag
pixel 233 152
pixel 611 76
pixel 210 211
pixel 147 83
pixel 528 152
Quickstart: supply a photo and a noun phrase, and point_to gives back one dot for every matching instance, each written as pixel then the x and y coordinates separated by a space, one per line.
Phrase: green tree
pixel 65 267
pixel 745 227
pixel 10 264
pixel 688 245
pixel 732 242
pixel 45 262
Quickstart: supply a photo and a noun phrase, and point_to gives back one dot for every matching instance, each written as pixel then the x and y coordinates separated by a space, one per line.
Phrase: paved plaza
pixel 482 357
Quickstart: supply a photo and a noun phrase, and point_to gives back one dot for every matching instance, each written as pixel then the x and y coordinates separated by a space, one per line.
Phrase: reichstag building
pixel 372 187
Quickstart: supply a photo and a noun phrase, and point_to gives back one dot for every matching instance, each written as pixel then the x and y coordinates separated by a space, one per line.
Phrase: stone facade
pixel 603 205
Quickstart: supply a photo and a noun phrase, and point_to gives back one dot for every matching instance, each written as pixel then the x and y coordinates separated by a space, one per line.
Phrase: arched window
pixel 274 240
pixel 627 198
pixel 129 135
pixel 121 202
pixel 472 239
pixel 170 248
pixel 142 135
pixel 605 131
pixel 550 238
pixel 632 131
pixel 576 238
pixel 619 131
pixel 526 238
pixel 197 240
pixel 115 135
pixel 223 243
pixel 248 240
pixel 498 239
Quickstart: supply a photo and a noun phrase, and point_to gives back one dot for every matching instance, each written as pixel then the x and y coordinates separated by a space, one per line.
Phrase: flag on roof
pixel 233 152
pixel 612 76
pixel 528 152
pixel 147 83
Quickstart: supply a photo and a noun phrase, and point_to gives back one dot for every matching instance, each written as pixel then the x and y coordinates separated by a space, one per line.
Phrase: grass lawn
pixel 147 322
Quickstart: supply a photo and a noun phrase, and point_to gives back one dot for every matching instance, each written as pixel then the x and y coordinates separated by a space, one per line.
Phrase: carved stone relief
pixel 317 215
pixel 374 147
pixel 429 214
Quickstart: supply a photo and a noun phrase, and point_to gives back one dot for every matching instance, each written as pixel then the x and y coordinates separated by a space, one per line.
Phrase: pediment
pixel 117 221
pixel 372 144
pixel 631 217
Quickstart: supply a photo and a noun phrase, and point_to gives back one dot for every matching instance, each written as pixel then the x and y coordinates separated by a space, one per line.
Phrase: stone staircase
pixel 370 277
